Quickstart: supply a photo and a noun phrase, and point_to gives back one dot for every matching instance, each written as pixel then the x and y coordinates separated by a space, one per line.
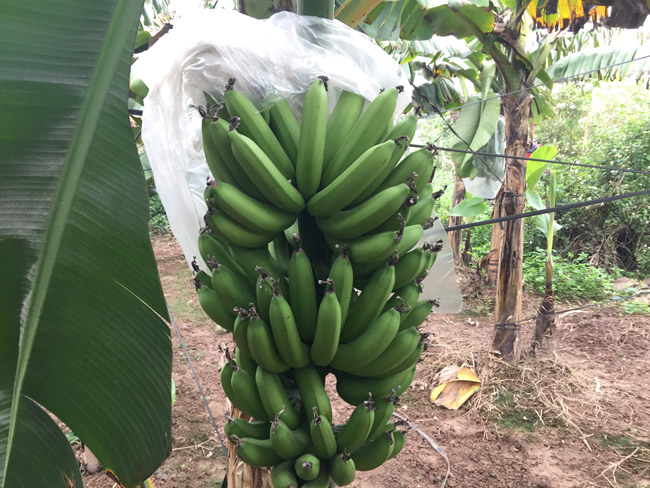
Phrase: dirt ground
pixel 578 415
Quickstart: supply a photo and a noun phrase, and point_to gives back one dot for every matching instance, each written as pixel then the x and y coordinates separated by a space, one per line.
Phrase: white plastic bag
pixel 271 59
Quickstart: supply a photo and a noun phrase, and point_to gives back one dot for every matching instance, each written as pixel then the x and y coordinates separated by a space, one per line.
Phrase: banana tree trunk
pixel 456 236
pixel 490 262
pixel 545 321
pixel 510 276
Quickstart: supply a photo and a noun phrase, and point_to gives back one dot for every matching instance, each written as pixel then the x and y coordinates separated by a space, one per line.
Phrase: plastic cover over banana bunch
pixel 314 238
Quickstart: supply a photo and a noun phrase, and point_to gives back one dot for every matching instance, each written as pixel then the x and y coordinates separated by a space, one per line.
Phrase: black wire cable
pixel 559 208
pixel 551 161
pixel 196 379
pixel 545 83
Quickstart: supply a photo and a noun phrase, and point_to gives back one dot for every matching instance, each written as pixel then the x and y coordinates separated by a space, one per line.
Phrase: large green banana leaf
pixel 82 329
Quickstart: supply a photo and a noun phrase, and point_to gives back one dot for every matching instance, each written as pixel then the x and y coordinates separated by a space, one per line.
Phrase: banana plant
pixel 83 333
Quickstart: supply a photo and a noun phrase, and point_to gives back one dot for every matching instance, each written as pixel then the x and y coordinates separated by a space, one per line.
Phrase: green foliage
pixel 604 124
pixel 158 223
pixel 574 277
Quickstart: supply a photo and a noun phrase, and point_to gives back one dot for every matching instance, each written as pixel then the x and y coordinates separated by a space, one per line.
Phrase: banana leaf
pixel 83 335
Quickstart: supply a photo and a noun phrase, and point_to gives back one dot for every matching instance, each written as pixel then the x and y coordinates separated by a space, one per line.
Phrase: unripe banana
pixel 255 215
pixel 369 345
pixel 262 346
pixel 232 232
pixel 357 428
pixel 286 128
pixel 322 436
pixel 263 294
pixel 257 429
pixel 312 391
pixel 328 328
pixel 368 307
pixel 423 209
pixel 311 147
pixel 245 395
pixel 365 134
pixel 405 298
pixel 375 453
pixel 307 467
pixel 210 247
pixel 343 118
pixel 399 438
pixel 418 314
pixel 351 182
pixel 302 291
pixel 274 398
pixel 375 248
pixel 227 370
pixel 214 307
pixel 288 443
pixel 321 481
pixel 255 452
pixel 410 267
pixel 418 164
pixel 253 125
pixel 409 361
pixel 353 389
pixel 204 278
pixel 240 332
pixel 400 348
pixel 246 362
pixel 233 292
pixel 283 475
pixel 342 469
pixel 384 409
pixel 348 224
pixel 342 276
pixel 217 166
pixel 249 260
pixel 285 331
pixel 265 176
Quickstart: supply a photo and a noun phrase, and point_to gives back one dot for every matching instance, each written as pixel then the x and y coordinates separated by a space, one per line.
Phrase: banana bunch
pixel 311 238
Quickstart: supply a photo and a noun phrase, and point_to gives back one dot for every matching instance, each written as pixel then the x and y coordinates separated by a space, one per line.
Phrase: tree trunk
pixel 509 277
pixel 456 236
pixel 490 262
pixel 545 321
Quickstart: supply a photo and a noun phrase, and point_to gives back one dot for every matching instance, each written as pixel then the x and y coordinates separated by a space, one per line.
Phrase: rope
pixel 198 383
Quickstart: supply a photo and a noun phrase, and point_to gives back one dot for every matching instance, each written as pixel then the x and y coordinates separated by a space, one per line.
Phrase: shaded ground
pixel 578 416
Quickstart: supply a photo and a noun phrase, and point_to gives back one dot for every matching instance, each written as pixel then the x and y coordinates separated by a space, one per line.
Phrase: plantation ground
pixel 578 417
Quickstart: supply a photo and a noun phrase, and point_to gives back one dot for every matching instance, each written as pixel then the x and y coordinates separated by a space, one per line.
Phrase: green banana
pixel 214 307
pixel 405 297
pixel 210 247
pixel 245 395
pixel 369 345
pixel 311 146
pixel 365 134
pixel 312 391
pixel 284 476
pixel 384 409
pixel 245 361
pixel 204 278
pixel 262 345
pixel 342 276
pixel 247 211
pixel 280 253
pixel 223 147
pixel 285 331
pixel 409 361
pixel 342 469
pixel 353 389
pixel 401 134
pixel 423 209
pixel 351 182
pixel 263 293
pixel 227 370
pixel 307 467
pixel 257 429
pixel 418 163
pixel 302 291
pixel 321 481
pixel 274 398
pixel 343 118
pixel 240 331
pixel 265 176
pixel 411 267
pixel 348 224
pixel 401 215
pixel 232 232
pixel 253 125
pixel 400 348
pixel 255 452
pixel 288 443
pixel 286 128
pixel 328 328
pixel 375 248
pixel 399 438
pixel 368 307
pixel 322 436
pixel 216 163
pixel 357 428
pixel 418 314
pixel 375 453
pixel 410 237
pixel 231 290
pixel 248 260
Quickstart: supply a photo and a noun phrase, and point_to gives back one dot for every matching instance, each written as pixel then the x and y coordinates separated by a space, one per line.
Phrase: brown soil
pixel 576 416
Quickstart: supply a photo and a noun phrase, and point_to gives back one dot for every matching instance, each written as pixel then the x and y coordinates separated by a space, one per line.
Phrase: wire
pixel 198 383
pixel 548 210
pixel 551 161
pixel 543 84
